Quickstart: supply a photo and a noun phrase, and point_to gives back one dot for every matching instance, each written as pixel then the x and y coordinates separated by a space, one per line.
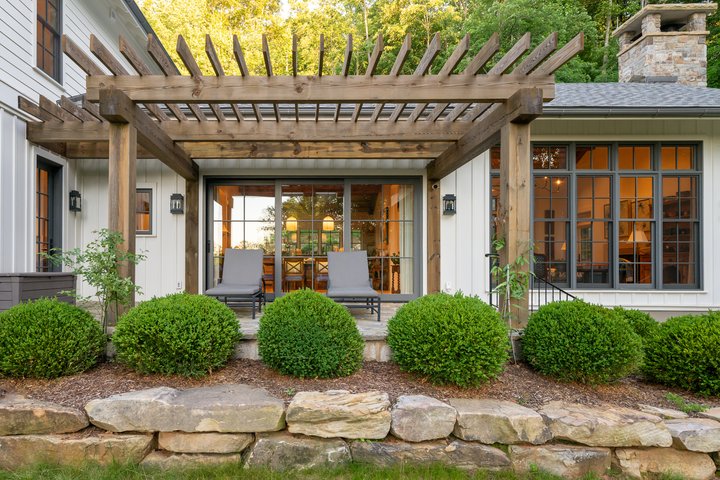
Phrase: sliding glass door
pixel 296 222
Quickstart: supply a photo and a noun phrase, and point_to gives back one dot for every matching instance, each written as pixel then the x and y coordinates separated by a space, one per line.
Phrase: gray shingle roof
pixel 644 99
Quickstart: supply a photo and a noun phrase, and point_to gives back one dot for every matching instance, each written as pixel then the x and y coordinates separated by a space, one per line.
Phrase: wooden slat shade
pixel 475 105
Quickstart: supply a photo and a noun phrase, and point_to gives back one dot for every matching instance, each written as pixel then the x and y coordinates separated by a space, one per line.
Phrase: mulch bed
pixel 518 383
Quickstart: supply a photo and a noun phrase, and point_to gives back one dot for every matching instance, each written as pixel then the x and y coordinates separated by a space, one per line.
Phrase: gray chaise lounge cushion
pixel 348 275
pixel 242 274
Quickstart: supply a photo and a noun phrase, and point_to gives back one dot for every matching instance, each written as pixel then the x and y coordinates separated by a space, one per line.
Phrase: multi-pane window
pixel 614 215
pixel 48 56
pixel 143 211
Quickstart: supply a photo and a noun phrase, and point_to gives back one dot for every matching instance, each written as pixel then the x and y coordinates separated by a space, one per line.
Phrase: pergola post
pixel 121 189
pixel 433 237
pixel 515 197
pixel 191 235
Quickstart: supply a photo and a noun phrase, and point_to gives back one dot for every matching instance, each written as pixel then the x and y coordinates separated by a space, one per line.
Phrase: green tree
pixel 513 18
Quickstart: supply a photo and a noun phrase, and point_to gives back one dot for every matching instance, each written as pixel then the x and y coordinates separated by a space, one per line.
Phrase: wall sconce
pixel 291 224
pixel 328 224
pixel 177 204
pixel 449 207
pixel 75 201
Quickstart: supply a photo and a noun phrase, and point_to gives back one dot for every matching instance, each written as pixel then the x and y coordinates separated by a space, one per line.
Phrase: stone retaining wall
pixel 236 423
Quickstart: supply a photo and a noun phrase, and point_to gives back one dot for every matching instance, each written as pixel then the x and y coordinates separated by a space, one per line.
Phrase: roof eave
pixel 648 112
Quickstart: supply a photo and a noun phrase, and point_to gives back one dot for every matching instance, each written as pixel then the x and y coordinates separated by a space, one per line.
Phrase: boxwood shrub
pixel 46 339
pixel 642 323
pixel 686 353
pixel 182 334
pixel 449 339
pixel 577 341
pixel 307 335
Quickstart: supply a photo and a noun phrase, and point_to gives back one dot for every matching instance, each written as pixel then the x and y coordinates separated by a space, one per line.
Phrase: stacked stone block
pixel 164 427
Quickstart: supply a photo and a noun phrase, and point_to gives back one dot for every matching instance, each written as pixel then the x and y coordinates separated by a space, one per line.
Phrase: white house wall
pixel 163 270
pixel 465 237
pixel 18 74
pixel 107 19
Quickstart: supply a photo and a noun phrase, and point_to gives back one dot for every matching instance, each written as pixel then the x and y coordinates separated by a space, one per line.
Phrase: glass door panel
pixel 382 224
pixel 312 225
pixel 244 218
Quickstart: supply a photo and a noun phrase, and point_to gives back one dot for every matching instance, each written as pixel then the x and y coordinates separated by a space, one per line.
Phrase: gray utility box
pixel 20 287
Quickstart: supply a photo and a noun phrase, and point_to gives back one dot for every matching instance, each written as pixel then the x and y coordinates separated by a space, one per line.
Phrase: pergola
pixel 444 119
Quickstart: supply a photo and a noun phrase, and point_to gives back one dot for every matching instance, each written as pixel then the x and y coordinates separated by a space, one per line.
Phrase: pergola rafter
pixel 442 119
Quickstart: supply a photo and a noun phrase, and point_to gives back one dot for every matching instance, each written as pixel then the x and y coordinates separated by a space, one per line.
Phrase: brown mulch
pixel 518 383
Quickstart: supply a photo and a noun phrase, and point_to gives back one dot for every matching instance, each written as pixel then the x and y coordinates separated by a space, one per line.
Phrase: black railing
pixel 541 291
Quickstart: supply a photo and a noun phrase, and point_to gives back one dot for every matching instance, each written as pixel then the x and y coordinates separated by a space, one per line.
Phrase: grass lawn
pixel 350 472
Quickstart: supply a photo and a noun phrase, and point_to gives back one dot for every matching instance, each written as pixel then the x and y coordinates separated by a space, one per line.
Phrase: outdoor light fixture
pixel 177 203
pixel 449 207
pixel 328 224
pixel 75 201
pixel 291 224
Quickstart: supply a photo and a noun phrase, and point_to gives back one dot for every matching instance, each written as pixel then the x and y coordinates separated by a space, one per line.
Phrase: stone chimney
pixel 665 43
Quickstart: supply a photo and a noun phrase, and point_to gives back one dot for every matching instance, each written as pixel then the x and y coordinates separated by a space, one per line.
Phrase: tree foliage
pixel 365 19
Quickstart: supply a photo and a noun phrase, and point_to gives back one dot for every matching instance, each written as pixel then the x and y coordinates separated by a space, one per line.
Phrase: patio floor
pixel 367 322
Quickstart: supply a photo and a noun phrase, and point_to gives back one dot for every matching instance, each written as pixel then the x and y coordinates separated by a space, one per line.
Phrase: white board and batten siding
pixel 465 237
pixel 19 76
pixel 163 270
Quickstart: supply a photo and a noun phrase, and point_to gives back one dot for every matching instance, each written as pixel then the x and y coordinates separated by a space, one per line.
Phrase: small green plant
pixel 100 264
pixel 450 339
pixel 48 339
pixel 683 405
pixel 577 341
pixel 512 282
pixel 307 335
pixel 686 353
pixel 182 334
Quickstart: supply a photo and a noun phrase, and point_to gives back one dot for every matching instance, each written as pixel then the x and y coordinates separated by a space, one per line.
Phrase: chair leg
pixel 253 308
pixel 379 303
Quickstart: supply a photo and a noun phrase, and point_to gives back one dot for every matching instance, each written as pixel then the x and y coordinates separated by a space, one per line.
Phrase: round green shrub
pixel 47 339
pixel 577 341
pixel 642 323
pixel 180 334
pixel 307 335
pixel 686 353
pixel 449 339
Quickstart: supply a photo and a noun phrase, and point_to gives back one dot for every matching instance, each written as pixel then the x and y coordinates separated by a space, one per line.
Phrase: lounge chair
pixel 349 281
pixel 242 279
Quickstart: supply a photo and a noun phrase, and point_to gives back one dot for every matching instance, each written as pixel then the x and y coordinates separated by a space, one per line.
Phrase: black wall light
pixel 177 203
pixel 449 207
pixel 75 201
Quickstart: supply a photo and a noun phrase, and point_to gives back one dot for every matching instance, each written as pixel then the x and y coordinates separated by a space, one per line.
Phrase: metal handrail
pixel 541 290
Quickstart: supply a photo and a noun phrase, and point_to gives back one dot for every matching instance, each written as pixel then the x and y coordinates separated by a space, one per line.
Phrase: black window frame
pixel 657 221
pixel 150 212
pixel 42 24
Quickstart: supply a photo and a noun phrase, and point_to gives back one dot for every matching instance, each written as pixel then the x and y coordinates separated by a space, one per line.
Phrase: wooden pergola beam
pixel 116 107
pixel 523 107
pixel 326 89
pixel 397 149
pixel 121 191
pixel 304 131
pixel 244 71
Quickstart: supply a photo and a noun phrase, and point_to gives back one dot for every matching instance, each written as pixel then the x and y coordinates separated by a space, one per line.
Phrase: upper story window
pixel 48 54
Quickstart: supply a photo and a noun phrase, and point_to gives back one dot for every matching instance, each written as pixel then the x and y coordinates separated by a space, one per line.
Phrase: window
pixel 298 222
pixel 48 37
pixel 48 214
pixel 143 211
pixel 614 215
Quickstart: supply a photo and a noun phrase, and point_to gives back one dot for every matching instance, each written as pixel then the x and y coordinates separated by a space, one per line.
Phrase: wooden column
pixel 121 188
pixel 433 237
pixel 515 197
pixel 192 206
